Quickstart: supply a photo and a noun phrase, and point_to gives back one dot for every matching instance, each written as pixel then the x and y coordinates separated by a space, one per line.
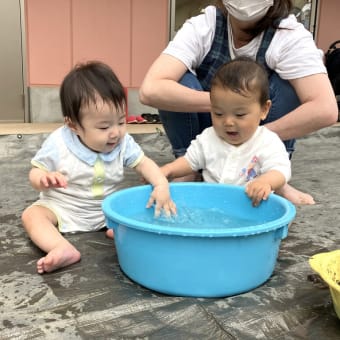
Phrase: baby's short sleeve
pixel 133 153
pixel 47 156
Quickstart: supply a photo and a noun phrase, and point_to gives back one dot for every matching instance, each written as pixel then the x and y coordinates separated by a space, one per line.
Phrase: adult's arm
pixel 318 108
pixel 160 88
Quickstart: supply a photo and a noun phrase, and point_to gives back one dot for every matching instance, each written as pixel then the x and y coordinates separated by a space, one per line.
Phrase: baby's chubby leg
pixel 40 224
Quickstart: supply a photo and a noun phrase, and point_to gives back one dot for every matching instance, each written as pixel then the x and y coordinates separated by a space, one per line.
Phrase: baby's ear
pixel 68 122
pixel 265 109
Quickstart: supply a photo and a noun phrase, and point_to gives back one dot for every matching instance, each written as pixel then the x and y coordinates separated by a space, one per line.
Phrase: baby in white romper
pixel 82 162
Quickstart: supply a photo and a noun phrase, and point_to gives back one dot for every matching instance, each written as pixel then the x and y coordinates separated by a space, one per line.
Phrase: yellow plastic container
pixel 327 265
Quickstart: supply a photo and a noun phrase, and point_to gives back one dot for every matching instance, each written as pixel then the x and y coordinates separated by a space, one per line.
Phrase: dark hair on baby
pixel 244 76
pixel 85 83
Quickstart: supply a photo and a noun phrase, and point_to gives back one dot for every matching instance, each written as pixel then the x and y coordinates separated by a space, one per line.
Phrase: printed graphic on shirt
pixel 249 172
pixel 98 179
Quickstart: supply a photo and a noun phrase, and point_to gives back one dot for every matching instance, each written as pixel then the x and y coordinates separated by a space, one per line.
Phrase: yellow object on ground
pixel 327 265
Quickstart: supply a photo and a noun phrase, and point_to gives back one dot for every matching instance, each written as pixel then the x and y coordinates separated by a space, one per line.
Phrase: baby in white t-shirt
pixel 236 150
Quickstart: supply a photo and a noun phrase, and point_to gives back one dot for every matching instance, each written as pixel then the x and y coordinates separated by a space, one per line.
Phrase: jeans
pixel 182 127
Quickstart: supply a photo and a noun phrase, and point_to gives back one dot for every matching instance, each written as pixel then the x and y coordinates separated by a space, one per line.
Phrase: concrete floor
pixel 93 299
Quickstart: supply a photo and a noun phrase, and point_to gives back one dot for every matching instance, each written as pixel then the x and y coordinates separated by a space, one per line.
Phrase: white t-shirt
pixel 292 52
pixel 225 163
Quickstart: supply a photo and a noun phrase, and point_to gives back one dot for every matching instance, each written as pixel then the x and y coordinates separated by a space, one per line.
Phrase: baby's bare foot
pixel 57 258
pixel 109 233
pixel 297 197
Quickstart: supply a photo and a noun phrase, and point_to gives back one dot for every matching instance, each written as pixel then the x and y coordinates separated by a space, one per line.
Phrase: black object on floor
pixel 151 118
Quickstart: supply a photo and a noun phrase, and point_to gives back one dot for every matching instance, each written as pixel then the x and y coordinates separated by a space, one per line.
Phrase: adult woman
pixel 178 82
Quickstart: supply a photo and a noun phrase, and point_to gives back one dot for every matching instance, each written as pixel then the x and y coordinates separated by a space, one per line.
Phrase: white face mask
pixel 247 10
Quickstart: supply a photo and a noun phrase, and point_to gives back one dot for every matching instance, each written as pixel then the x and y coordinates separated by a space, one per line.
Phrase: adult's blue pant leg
pixel 182 127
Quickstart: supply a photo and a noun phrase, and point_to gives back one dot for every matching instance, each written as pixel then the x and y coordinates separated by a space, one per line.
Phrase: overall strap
pixel 219 51
pixel 218 54
pixel 266 40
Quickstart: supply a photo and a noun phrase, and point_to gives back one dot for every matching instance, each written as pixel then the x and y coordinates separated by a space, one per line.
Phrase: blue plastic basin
pixel 199 260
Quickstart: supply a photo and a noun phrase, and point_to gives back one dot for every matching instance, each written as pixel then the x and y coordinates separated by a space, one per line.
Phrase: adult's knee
pixel 191 81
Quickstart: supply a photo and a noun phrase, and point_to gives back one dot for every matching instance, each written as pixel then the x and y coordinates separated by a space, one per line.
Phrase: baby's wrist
pixel 162 183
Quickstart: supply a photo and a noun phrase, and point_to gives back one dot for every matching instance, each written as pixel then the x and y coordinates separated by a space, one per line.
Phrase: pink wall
pixel 102 30
pixel 150 35
pixel 328 23
pixel 126 34
pixel 48 40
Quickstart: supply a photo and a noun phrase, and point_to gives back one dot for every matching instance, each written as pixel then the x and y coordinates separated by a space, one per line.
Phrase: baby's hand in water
pixel 160 198
pixel 167 210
